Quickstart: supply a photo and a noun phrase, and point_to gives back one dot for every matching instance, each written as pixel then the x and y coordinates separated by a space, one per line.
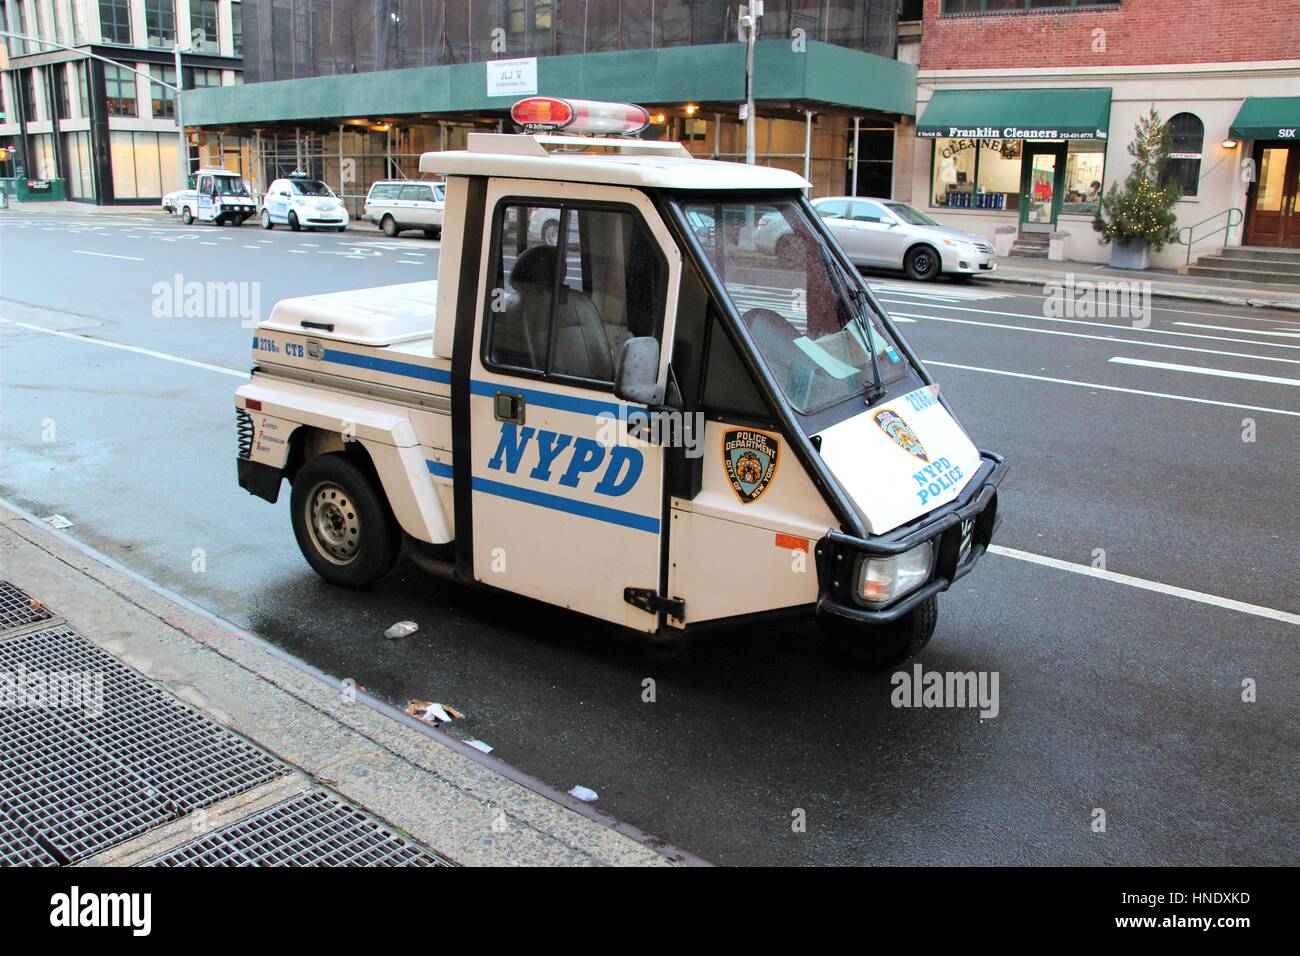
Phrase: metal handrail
pixel 1225 228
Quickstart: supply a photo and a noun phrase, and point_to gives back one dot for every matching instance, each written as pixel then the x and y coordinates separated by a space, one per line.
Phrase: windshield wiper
pixel 855 294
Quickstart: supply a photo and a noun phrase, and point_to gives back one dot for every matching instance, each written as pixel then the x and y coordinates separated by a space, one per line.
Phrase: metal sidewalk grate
pixel 19 849
pixel 17 609
pixel 120 758
pixel 311 829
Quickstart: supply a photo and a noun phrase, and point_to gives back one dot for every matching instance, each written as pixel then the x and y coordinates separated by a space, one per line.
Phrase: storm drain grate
pixel 106 755
pixel 311 829
pixel 55 783
pixel 17 609
pixel 19 849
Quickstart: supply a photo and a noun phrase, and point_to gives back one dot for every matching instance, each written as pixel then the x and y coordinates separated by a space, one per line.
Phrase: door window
pixel 570 285
pixel 867 212
pixel 415 193
pixel 835 209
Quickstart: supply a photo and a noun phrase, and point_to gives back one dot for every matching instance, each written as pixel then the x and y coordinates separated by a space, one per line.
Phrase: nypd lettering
pixel 749 459
pixel 549 456
pixel 936 478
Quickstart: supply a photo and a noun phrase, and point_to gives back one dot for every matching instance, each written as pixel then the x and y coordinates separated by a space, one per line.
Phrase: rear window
pixel 416 194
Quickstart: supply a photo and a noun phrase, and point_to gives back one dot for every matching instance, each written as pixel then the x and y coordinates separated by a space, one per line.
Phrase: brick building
pixel 1025 109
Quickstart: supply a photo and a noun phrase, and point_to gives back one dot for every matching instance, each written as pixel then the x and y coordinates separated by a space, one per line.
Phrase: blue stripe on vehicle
pixel 438 468
pixel 565 403
pixel 409 369
pixel 583 509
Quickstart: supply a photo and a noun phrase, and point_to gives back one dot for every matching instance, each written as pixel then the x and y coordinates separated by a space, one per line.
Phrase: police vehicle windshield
pixel 808 316
pixel 310 187
pixel 230 186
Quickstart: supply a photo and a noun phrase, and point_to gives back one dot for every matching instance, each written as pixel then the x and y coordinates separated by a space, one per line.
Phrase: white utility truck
pixel 219 196
pixel 640 416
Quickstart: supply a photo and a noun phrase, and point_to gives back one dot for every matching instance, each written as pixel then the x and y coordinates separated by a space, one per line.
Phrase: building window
pixel 83 90
pixel 145 165
pixel 81 178
pixel 1085 165
pixel 15 15
pixel 204 78
pixel 33 109
pixel 160 22
pixel 1188 134
pixel 969 7
pixel 162 98
pixel 119 91
pixel 65 90
pixel 115 21
pixel 205 23
pixel 236 28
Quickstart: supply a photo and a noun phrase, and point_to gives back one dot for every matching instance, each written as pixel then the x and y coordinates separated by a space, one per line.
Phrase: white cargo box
pixel 382 316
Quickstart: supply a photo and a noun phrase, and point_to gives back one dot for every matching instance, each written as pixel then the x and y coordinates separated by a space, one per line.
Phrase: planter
pixel 1135 254
pixel 1003 237
pixel 1058 246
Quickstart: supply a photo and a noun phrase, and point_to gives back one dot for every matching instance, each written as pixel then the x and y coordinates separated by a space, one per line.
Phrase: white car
pixel 888 234
pixel 398 204
pixel 302 203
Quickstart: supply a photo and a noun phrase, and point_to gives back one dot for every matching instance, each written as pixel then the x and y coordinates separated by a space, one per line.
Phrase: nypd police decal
pixel 749 458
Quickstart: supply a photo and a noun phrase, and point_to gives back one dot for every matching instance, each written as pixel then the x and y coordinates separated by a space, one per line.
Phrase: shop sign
pixel 512 77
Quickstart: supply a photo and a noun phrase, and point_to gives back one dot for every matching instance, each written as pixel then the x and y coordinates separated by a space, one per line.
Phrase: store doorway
pixel 875 164
pixel 1042 178
pixel 1273 218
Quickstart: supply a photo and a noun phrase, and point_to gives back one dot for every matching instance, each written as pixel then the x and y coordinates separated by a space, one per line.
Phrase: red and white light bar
pixel 539 114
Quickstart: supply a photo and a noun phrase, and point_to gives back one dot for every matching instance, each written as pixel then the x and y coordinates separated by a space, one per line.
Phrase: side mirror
pixel 635 380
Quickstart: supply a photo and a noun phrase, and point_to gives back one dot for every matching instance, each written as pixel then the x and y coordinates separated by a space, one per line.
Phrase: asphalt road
pixel 1112 696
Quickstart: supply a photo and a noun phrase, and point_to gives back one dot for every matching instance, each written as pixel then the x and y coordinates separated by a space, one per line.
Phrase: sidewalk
pixel 278 743
pixel 1165 283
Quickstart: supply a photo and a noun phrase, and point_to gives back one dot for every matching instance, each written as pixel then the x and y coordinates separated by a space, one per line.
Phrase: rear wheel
pixel 342 522
pixel 887 645
pixel 389 225
pixel 433 233
pixel 551 233
pixel 922 264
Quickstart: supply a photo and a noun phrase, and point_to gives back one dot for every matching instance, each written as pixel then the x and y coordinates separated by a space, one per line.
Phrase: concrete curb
pixel 1284 305
pixel 468 806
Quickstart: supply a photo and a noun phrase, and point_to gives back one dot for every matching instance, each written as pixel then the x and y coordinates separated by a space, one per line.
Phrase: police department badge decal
pixel 892 424
pixel 749 458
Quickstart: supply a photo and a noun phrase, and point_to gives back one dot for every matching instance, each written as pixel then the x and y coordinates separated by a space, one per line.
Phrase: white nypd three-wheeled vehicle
pixel 640 416
pixel 219 196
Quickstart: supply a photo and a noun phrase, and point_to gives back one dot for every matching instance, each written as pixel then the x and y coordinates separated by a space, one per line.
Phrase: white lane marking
pixel 411 262
pixel 107 255
pixel 1202 370
pixel 76 336
pixel 252 247
pixel 301 252
pixel 1114 577
pixel 1110 388
pixel 1099 338
pixel 1227 328
pixel 1104 325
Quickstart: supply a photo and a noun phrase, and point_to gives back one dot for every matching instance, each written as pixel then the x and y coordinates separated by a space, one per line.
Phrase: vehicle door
pixel 879 235
pixel 207 200
pixel 277 201
pixel 835 212
pixel 566 506
pixel 416 199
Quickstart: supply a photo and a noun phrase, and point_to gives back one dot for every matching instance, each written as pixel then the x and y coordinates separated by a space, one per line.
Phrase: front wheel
pixel 293 221
pixel 187 217
pixel 266 220
pixel 922 264
pixel 342 522
pixel 888 645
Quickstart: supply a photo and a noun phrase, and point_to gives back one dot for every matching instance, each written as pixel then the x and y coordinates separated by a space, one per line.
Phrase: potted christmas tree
pixel 1140 217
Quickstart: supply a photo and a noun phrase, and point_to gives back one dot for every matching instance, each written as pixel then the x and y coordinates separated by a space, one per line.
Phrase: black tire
pixel 886 646
pixel 341 229
pixel 784 248
pixel 187 217
pixel 389 225
pixel 922 264
pixel 342 521
pixel 551 233
pixel 433 233
pixel 294 224
pixel 266 220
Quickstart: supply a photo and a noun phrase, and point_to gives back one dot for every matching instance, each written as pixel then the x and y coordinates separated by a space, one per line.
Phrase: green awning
pixel 1017 114
pixel 1267 117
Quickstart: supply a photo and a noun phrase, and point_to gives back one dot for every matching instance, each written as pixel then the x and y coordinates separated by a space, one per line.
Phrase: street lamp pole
pixel 749 24
pixel 183 150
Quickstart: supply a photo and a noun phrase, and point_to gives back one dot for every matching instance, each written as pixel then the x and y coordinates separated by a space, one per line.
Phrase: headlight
pixel 884 580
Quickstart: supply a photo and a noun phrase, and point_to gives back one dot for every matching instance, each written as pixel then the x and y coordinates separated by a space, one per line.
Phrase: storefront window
pixel 1084 165
pixel 987 174
pixel 144 164
pixel 81 182
pixel 42 152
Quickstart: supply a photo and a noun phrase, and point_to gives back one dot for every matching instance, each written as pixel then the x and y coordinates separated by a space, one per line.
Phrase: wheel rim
pixel 266 218
pixel 332 520
pixel 551 234
pixel 921 263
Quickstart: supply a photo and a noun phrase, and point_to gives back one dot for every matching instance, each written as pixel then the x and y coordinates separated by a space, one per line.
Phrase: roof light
pixel 548 114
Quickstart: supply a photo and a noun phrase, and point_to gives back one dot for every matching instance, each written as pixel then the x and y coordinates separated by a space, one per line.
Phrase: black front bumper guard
pixel 961 529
